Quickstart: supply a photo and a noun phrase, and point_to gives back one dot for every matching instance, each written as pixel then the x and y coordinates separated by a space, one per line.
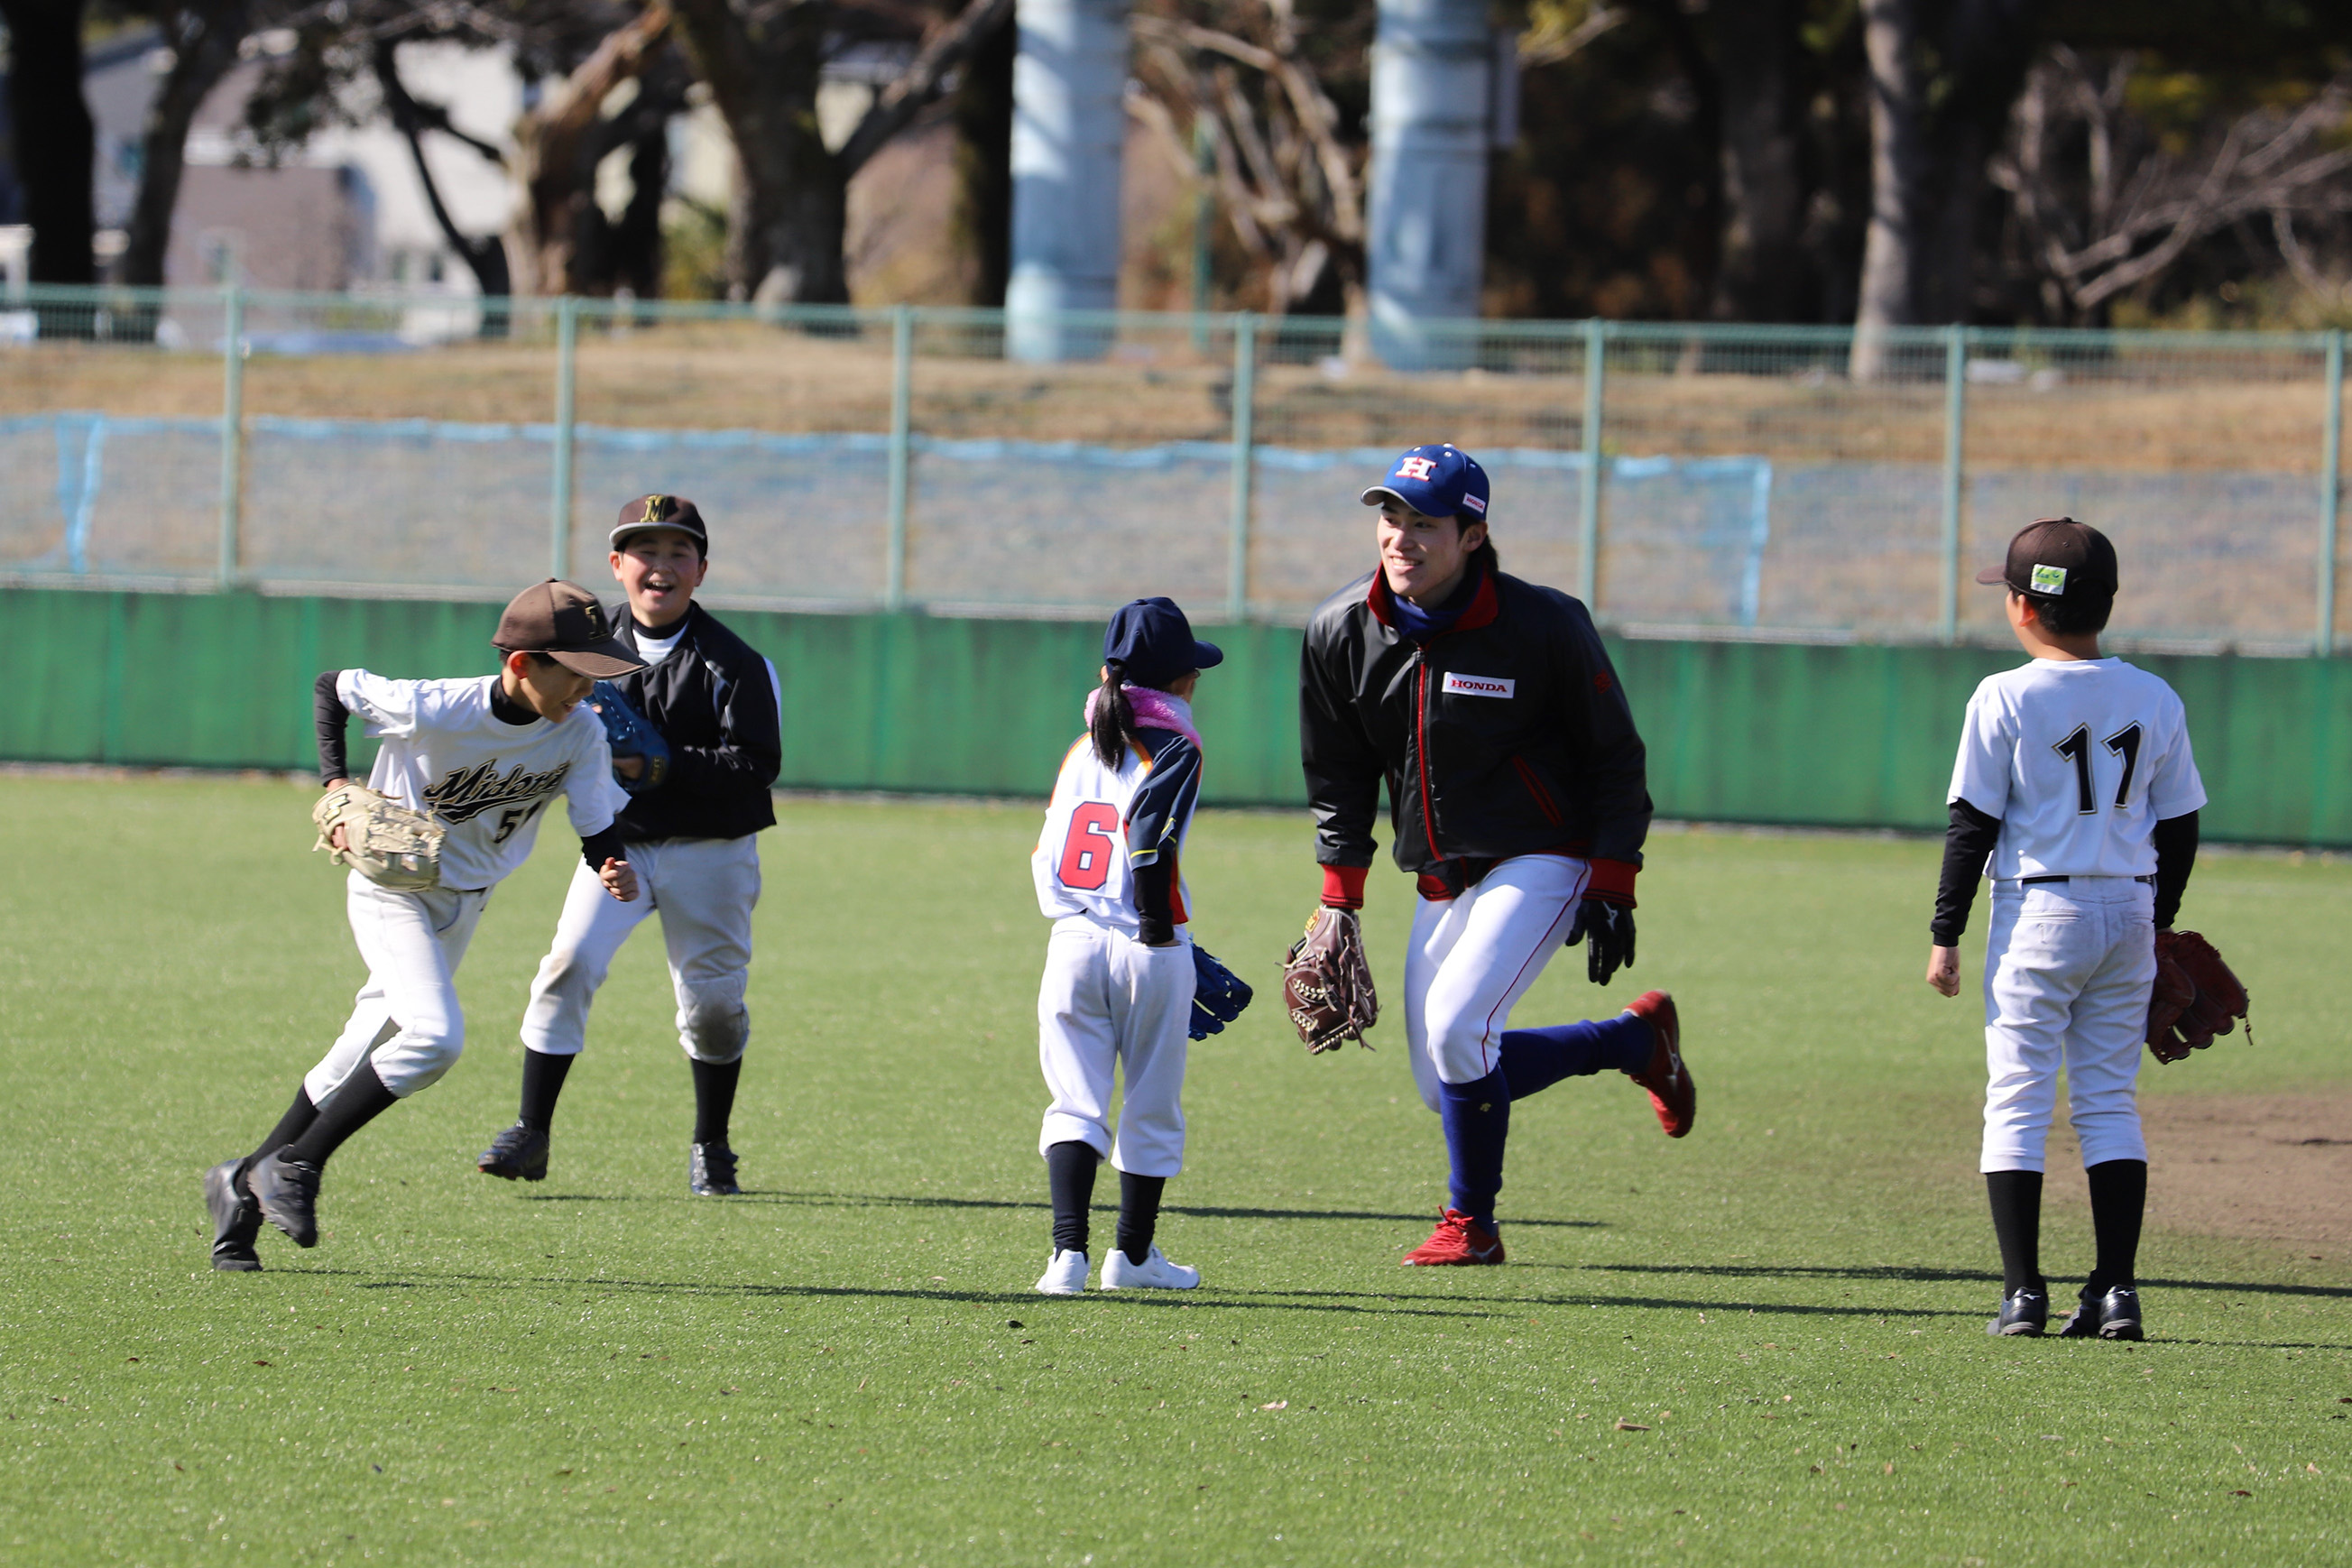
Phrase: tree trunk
pixel 206 34
pixel 983 121
pixel 1943 74
pixel 558 146
pixel 1762 272
pixel 791 209
pixel 44 87
pixel 484 255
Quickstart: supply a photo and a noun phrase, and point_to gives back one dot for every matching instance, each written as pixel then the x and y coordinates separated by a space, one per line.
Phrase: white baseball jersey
pixel 1103 823
pixel 2080 759
pixel 444 750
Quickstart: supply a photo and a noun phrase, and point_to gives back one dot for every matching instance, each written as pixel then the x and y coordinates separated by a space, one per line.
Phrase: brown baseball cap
pixel 648 513
pixel 2057 557
pixel 563 621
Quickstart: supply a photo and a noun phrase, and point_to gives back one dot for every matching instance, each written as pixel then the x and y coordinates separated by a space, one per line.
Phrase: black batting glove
pixel 1610 928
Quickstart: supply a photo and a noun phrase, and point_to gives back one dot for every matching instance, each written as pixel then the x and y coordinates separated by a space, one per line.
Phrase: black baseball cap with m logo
pixel 648 513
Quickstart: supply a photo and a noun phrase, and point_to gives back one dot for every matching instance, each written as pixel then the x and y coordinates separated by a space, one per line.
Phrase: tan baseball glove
pixel 383 840
pixel 2196 997
pixel 1327 983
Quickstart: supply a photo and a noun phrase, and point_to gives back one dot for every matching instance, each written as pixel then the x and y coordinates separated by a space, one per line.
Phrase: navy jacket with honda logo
pixel 1505 734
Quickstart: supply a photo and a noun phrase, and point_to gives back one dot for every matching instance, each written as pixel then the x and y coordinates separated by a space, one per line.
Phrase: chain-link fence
pixel 1684 480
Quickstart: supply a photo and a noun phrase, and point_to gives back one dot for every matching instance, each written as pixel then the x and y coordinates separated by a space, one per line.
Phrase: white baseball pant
pixel 2068 968
pixel 706 889
pixel 1107 1000
pixel 1472 958
pixel 406 1016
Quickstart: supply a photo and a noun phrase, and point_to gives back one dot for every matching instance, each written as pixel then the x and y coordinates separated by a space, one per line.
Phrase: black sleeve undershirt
pixel 599 847
pixel 1966 843
pixel 1155 907
pixel 328 711
pixel 2176 857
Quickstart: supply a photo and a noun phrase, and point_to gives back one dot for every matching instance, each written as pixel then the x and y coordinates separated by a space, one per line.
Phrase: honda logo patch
pixel 1477 686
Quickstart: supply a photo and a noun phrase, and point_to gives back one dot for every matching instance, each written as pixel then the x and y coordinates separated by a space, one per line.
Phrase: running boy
pixel 2074 777
pixel 485 756
pixel 1119 972
pixel 692 837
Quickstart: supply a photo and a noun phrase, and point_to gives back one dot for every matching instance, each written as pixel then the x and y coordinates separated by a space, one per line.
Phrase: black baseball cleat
pixel 287 1192
pixel 517 1154
pixel 2022 1311
pixel 2111 1314
pixel 710 1172
pixel 237 1220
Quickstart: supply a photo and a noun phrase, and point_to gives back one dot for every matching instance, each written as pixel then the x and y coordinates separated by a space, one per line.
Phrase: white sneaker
pixel 1065 1274
pixel 1156 1272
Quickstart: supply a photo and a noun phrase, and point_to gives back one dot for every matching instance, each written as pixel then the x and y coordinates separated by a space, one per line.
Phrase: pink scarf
pixel 1154 710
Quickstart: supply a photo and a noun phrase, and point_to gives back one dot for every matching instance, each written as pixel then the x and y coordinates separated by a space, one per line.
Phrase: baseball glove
pixel 1218 994
pixel 383 840
pixel 1327 983
pixel 2196 997
pixel 628 736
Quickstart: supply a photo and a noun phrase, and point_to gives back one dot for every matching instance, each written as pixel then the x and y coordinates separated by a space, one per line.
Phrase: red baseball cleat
pixel 1458 1238
pixel 1671 1093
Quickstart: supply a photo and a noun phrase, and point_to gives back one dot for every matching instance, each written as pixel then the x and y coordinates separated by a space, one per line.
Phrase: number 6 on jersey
pixel 1088 849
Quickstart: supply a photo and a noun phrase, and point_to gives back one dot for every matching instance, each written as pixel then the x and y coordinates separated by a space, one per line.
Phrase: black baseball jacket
pixel 1506 734
pixel 714 700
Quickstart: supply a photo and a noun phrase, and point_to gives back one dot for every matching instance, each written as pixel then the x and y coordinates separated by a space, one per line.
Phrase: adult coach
pixel 1517 799
pixel 692 836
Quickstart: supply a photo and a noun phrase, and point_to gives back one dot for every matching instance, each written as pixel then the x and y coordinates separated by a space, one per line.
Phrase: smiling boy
pixel 692 837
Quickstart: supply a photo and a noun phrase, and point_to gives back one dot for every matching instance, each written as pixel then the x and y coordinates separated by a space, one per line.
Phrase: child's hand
pixel 1944 970
pixel 619 880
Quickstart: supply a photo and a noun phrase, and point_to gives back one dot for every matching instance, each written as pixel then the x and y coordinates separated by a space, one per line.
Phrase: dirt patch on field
pixel 2274 1167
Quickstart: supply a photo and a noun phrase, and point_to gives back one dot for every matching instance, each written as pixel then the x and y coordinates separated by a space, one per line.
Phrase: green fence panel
pixel 1842 736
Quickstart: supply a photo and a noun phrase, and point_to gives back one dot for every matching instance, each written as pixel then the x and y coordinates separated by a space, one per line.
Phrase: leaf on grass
pixel 2242 1494
pixel 261 1364
pixel 1890 1467
pixel 1277 1404
pixel 1625 1425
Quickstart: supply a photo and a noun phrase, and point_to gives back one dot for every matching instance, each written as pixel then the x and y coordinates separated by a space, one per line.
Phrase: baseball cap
pixel 2054 557
pixel 1438 480
pixel 563 621
pixel 1155 642
pixel 648 513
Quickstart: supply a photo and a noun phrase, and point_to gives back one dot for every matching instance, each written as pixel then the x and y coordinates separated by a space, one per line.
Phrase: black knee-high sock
pixel 2118 1195
pixel 543 1073
pixel 1070 1173
pixel 291 1126
pixel 2017 1222
pixel 1138 1214
pixel 360 1100
pixel 714 1098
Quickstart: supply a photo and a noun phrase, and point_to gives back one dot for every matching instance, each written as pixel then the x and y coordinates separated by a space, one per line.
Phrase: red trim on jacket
pixel 1484 607
pixel 1343 887
pixel 1611 882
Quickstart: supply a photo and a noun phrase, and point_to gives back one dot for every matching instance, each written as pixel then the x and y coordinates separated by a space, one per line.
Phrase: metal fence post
pixel 1588 522
pixel 1956 409
pixel 902 374
pixel 1244 464
pixel 232 472
pixel 559 522
pixel 2331 492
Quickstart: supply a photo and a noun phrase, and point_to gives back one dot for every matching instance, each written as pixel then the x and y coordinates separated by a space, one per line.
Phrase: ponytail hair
pixel 1110 718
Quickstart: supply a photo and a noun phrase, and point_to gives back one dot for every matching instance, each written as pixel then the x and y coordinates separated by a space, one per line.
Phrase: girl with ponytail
pixel 1121 976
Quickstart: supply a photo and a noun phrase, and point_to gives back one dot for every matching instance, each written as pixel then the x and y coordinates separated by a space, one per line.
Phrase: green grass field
pixel 1761 1345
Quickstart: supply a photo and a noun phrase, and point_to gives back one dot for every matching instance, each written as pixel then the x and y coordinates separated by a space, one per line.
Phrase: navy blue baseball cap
pixel 1155 642
pixel 1439 480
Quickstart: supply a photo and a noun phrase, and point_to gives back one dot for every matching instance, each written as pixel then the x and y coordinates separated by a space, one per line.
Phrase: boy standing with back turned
pixel 2074 777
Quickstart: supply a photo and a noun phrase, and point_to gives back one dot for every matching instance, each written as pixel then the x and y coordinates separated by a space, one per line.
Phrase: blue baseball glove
pixel 629 734
pixel 1218 996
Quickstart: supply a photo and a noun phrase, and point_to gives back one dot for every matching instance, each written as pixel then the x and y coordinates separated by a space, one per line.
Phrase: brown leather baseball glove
pixel 1327 983
pixel 383 840
pixel 2196 997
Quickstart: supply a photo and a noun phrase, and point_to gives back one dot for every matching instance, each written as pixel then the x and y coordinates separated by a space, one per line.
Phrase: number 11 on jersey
pixel 2076 749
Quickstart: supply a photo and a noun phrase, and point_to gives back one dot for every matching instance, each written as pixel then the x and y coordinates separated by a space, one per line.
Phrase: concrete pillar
pixel 1069 129
pixel 1431 75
